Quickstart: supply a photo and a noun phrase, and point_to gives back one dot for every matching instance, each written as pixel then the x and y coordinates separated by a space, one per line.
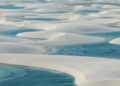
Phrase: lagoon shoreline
pixel 86 74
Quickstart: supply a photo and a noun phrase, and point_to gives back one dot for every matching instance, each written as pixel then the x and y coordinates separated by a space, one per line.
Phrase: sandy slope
pixel 59 38
pixel 87 71
pixel 115 41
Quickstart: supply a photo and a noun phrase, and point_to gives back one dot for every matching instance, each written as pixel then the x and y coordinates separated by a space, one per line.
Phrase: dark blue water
pixel 15 32
pixel 105 49
pixel 24 76
pixel 10 7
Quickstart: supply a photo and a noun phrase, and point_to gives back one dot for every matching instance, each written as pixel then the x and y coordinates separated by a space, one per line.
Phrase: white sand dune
pixel 83 28
pixel 115 41
pixel 4 27
pixel 59 38
pixel 11 39
pixel 13 47
pixel 87 71
pixel 54 16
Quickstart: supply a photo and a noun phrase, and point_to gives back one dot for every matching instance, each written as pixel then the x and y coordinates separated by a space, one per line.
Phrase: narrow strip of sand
pixel 87 71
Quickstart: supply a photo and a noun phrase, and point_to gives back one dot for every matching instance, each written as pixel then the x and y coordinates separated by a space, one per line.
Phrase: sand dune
pixel 59 38
pixel 11 47
pixel 83 28
pixel 115 41
pixel 87 71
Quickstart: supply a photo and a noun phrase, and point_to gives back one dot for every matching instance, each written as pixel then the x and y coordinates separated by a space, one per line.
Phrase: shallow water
pixel 25 76
pixel 42 19
pixel 88 11
pixel 104 50
pixel 10 7
pixel 109 3
pixel 109 35
pixel 16 31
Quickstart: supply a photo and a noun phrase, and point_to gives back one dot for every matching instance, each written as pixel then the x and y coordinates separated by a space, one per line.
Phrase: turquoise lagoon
pixel 104 50
pixel 95 50
pixel 10 7
pixel 16 31
pixel 42 19
pixel 25 76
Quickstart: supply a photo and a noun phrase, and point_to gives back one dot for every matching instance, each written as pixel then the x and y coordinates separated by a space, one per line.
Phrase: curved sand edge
pixel 87 71
pixel 115 41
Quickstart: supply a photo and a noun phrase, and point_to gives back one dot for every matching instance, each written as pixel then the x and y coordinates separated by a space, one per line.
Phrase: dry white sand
pixel 83 28
pixel 87 71
pixel 115 41
pixel 59 38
